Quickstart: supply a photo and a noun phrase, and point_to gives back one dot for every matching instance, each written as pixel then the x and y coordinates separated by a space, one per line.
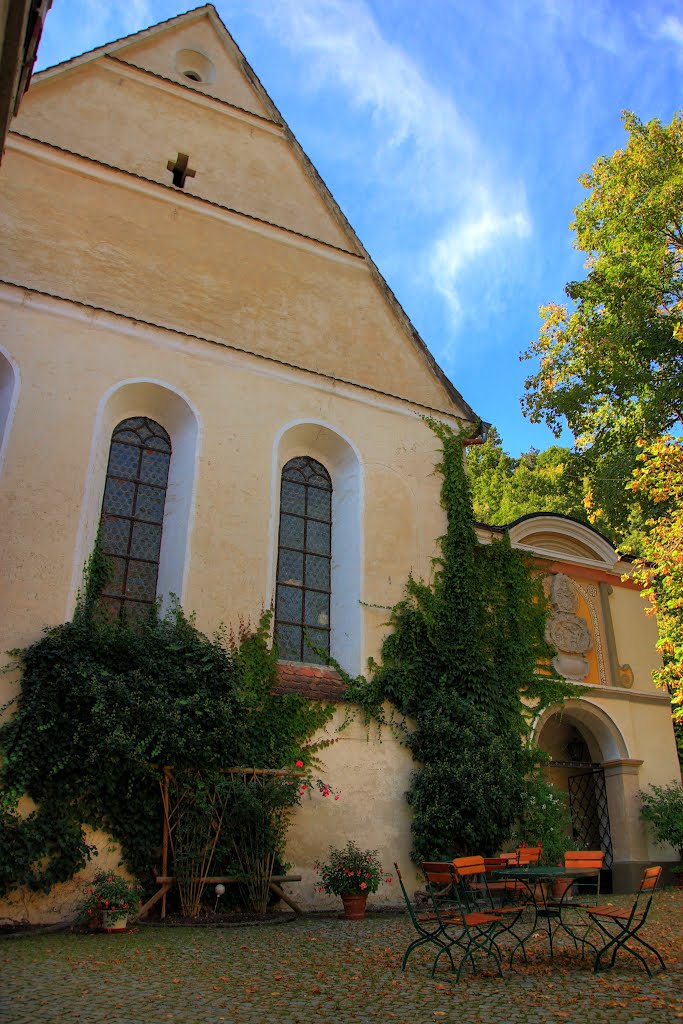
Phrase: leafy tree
pixel 612 366
pixel 104 705
pixel 660 475
pixel 505 488
pixel 615 358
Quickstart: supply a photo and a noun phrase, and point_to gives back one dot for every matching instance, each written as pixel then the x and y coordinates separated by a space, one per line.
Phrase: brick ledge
pixel 316 682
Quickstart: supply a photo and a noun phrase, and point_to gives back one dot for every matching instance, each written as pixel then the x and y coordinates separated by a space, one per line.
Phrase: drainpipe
pixel 481 433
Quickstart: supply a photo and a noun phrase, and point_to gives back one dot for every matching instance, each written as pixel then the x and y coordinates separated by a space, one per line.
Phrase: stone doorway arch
pixel 589 760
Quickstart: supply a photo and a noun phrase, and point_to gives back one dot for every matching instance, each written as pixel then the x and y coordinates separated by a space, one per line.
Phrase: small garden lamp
pixel 219 890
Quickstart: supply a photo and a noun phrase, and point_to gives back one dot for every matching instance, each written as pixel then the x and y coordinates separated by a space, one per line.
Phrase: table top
pixel 544 872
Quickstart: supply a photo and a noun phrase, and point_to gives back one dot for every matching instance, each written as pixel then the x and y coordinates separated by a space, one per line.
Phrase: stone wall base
pixel 626 875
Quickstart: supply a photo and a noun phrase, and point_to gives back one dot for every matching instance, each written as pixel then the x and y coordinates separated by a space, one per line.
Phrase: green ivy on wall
pixel 103 705
pixel 460 666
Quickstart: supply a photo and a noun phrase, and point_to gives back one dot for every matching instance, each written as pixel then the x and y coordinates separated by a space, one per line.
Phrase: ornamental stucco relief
pixel 567 631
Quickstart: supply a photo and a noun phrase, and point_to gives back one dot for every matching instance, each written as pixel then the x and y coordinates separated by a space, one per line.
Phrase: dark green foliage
pixel 103 706
pixel 465 792
pixel 461 664
pixel 39 850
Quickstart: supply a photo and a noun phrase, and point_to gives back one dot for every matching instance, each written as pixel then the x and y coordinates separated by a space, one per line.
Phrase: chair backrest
pixel 497 863
pixel 641 905
pixel 584 859
pixel 589 886
pixel 406 897
pixel 465 866
pixel 511 859
pixel 650 878
pixel 529 854
pixel 438 874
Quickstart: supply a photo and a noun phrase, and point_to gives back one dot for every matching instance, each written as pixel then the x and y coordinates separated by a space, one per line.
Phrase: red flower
pixel 363 885
pixel 299 764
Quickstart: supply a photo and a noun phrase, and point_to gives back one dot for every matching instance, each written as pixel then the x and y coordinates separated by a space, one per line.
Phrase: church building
pixel 197 352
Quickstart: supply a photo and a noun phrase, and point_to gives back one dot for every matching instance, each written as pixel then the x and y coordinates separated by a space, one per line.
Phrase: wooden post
pixel 164 847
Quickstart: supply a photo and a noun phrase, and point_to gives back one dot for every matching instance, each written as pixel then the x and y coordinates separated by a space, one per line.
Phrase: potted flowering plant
pixel 353 874
pixel 108 902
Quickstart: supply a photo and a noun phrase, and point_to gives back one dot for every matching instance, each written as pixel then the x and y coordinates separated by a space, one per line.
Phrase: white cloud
pixel 487 233
pixel 424 149
pixel 672 28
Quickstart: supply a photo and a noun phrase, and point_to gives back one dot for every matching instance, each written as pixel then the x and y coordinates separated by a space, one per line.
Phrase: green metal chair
pixel 429 927
pixel 470 931
pixel 477 893
pixel 621 926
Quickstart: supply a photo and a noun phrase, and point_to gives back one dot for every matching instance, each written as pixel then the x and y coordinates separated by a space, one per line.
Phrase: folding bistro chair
pixel 429 927
pixel 579 897
pixel 621 926
pixel 501 892
pixel 581 892
pixel 471 931
pixel 478 894
pixel 528 855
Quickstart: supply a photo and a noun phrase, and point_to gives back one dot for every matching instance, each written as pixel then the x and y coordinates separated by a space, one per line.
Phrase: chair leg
pixel 424 940
pixel 621 941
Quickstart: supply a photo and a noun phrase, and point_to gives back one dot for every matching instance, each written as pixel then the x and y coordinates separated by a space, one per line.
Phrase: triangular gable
pixel 155 50
pixel 235 83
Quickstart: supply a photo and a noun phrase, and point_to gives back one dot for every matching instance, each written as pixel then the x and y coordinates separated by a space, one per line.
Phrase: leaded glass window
pixel 133 513
pixel 302 602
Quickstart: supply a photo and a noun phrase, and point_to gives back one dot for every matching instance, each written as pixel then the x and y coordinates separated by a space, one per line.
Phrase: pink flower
pixel 363 885
pixel 336 796
pixel 389 880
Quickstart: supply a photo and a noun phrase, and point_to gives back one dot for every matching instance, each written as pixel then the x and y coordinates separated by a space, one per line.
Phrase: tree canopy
pixel 614 361
pixel 505 488
pixel 611 365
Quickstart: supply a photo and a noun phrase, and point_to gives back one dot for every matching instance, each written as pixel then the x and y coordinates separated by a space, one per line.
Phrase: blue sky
pixel 452 133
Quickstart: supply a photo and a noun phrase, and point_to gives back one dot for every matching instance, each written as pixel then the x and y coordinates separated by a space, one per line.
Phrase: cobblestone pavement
pixel 322 970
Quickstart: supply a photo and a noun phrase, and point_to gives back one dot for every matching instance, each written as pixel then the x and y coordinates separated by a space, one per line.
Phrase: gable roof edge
pixel 209 11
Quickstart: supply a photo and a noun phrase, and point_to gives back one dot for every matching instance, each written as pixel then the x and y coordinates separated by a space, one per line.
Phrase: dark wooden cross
pixel 180 170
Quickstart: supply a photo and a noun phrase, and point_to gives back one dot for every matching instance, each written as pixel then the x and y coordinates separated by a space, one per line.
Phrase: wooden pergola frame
pixel 166 881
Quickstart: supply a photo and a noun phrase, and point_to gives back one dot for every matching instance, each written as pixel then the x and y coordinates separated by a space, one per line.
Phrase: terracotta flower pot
pixel 115 921
pixel 559 887
pixel 354 905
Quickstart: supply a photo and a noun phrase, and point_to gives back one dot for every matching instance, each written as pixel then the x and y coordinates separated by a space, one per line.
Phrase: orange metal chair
pixel 583 887
pixel 529 855
pixel 621 926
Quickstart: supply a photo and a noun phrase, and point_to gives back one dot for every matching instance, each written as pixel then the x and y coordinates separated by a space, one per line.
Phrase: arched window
pixel 133 513
pixel 304 561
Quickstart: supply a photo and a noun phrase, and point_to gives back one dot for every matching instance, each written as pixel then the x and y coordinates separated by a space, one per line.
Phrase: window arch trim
pixel 163 401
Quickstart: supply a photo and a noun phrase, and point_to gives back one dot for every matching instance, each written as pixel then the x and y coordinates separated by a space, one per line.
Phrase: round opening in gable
pixel 194 65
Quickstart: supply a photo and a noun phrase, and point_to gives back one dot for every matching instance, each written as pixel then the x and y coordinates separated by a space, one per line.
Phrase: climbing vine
pixel 104 705
pixel 460 665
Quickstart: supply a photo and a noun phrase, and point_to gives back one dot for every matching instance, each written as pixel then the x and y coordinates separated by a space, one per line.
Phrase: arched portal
pixel 589 762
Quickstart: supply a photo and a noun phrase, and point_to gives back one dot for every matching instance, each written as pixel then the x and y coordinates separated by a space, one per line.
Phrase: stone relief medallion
pixel 563 596
pixel 566 631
